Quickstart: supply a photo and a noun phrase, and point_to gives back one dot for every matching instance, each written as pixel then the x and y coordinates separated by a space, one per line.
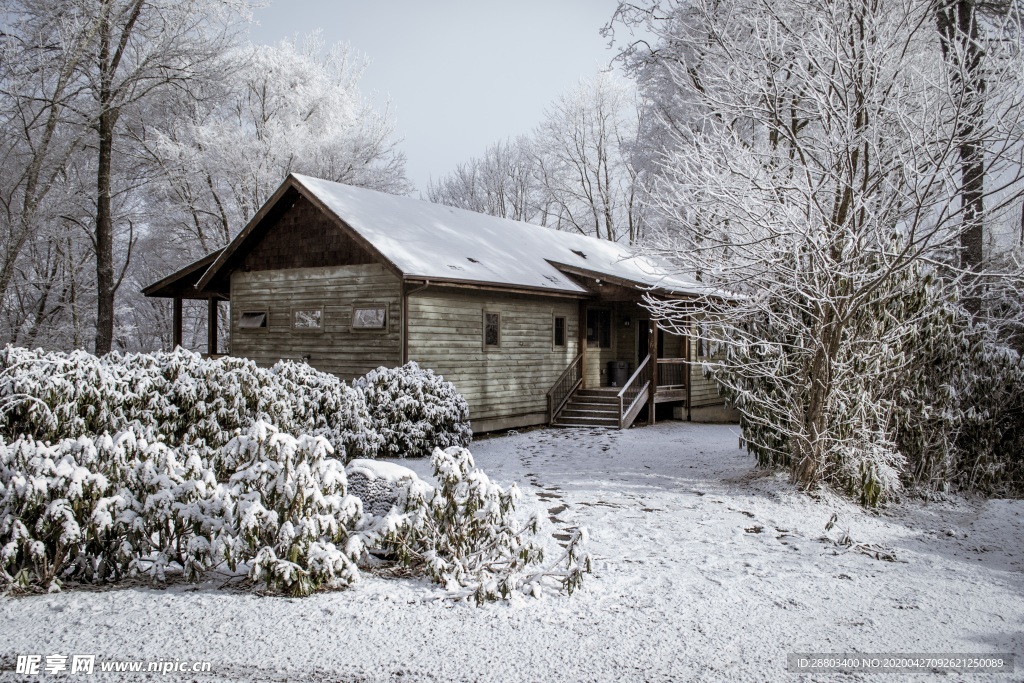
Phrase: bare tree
pixel 141 48
pixel 41 50
pixel 812 185
pixel 501 183
pixel 583 163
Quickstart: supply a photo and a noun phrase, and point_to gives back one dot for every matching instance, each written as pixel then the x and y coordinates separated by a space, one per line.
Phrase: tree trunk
pixel 104 238
pixel 958 32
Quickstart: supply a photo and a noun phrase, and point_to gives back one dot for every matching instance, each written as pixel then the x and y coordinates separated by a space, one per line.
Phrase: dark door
pixel 643 341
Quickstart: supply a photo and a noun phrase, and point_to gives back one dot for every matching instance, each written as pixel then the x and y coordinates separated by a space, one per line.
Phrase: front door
pixel 643 340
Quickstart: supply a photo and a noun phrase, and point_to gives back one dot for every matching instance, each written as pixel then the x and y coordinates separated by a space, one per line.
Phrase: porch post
pixel 582 325
pixel 176 325
pixel 689 366
pixel 211 326
pixel 652 350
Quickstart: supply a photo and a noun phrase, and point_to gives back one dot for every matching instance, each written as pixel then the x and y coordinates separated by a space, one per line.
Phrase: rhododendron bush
pixel 170 463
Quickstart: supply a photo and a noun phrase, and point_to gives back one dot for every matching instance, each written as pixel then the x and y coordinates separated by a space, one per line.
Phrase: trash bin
pixel 618 373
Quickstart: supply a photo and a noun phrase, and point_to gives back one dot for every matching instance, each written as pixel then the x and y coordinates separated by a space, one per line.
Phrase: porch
pixel 627 365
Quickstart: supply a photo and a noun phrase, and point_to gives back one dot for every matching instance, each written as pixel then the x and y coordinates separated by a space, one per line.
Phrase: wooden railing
pixel 561 390
pixel 672 373
pixel 634 394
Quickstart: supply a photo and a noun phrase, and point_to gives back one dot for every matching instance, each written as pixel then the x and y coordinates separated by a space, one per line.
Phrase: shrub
pixel 94 509
pixel 414 410
pixel 180 396
pixel 465 536
pixel 324 405
pixel 289 511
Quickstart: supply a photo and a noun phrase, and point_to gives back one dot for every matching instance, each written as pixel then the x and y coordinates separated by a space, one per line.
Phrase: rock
pixel 379 485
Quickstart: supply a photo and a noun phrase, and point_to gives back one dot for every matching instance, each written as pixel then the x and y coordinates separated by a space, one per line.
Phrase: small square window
pixel 307 319
pixel 492 330
pixel 374 317
pixel 253 320
pixel 559 331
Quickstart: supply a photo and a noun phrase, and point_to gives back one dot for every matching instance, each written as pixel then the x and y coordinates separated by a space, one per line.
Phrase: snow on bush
pixel 414 410
pixel 290 512
pixel 180 395
pixel 217 462
pixel 465 535
pixel 324 405
pixel 94 509
pixel 103 508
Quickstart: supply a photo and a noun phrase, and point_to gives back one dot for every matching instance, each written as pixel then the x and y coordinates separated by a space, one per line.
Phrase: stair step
pixel 597 400
pixel 598 404
pixel 602 414
pixel 585 422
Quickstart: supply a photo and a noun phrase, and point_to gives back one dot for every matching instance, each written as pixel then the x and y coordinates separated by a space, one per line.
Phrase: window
pixel 559 331
pixel 369 317
pixel 599 328
pixel 492 330
pixel 253 320
pixel 307 319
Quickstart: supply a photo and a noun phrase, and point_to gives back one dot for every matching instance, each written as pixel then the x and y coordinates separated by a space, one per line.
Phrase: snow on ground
pixel 705 570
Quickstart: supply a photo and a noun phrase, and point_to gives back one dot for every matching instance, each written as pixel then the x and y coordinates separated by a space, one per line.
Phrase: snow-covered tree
pixel 501 183
pixel 584 168
pixel 576 171
pixel 806 175
pixel 283 108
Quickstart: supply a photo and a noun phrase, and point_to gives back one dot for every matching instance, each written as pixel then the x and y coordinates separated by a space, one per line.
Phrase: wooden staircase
pixel 591 408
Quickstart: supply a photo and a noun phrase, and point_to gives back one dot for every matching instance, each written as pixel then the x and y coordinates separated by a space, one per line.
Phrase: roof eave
pixel 154 290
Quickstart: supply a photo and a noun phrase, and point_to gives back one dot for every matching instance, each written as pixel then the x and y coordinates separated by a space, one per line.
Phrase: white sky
pixel 460 74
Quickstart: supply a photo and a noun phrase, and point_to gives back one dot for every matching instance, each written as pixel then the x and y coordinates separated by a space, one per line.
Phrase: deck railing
pixel 672 373
pixel 561 391
pixel 634 394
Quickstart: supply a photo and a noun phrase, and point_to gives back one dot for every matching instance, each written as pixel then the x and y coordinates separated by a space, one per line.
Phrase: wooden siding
pixel 704 391
pixel 303 237
pixel 336 348
pixel 446 335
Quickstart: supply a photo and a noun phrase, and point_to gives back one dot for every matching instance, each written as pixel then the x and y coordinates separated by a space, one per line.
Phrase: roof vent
pixel 579 253
pixel 471 259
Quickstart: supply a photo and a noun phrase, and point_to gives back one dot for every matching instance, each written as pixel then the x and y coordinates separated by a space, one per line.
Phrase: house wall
pixel 301 236
pixel 703 391
pixel 336 348
pixel 506 386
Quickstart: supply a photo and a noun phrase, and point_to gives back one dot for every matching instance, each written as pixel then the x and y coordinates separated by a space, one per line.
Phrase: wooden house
pixel 533 325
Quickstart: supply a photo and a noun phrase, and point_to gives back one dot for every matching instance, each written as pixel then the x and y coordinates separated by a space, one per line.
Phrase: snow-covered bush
pixel 95 509
pixel 324 405
pixel 289 510
pixel 959 406
pixel 465 535
pixel 414 410
pixel 186 399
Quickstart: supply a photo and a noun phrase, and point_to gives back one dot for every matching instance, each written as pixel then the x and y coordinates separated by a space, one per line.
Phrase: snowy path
pixel 705 570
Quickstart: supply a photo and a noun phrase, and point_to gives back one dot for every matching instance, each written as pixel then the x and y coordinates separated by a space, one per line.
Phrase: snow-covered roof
pixel 427 241
pixel 433 241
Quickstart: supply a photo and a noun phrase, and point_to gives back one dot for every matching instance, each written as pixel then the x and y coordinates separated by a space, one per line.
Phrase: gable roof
pixel 426 241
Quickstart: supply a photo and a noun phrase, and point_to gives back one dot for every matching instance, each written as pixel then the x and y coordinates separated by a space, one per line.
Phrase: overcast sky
pixel 460 74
